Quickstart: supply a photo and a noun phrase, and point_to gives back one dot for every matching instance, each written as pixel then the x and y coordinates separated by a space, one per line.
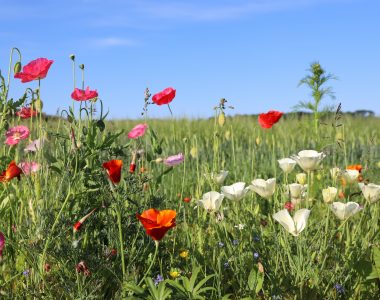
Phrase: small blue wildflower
pixel 226 265
pixel 220 244
pixel 26 272
pixel 235 242
pixel 256 255
pixel 339 288
pixel 158 279
pixel 256 238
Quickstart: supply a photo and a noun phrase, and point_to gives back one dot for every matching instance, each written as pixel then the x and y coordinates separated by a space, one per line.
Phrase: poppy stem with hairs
pixel 151 264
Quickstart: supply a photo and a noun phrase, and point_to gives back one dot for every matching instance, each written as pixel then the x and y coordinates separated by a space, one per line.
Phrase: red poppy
pixel 113 168
pixel 164 97
pixel 289 206
pixel 270 118
pixel 187 199
pixel 26 113
pixel 12 171
pixel 36 69
pixel 84 95
pixel 157 223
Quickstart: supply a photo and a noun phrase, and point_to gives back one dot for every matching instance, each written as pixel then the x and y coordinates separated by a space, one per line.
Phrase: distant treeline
pixel 299 114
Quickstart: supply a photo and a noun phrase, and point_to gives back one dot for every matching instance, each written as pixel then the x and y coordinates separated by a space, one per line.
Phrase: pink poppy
pixel 84 95
pixel 36 69
pixel 34 146
pixel 29 167
pixel 174 160
pixel 270 118
pixel 2 244
pixel 15 134
pixel 26 113
pixel 137 131
pixel 164 97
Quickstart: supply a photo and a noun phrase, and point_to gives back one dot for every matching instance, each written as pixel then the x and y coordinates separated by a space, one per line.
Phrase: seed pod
pixel 222 119
pixel 17 67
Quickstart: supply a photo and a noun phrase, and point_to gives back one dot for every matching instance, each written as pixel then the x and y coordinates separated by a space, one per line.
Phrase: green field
pixel 235 251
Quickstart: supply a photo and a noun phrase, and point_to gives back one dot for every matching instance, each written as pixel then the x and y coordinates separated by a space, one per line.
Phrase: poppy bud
pixel 132 168
pixel 17 67
pixel 38 104
pixel 222 119
pixel 81 66
pixel 227 135
pixel 72 57
pixel 258 141
pixel 77 226
pixel 159 160
pixel 47 268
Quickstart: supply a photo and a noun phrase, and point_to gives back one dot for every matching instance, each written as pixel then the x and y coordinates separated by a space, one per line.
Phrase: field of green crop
pixel 71 228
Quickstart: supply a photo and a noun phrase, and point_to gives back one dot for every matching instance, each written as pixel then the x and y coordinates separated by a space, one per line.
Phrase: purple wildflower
pixel 174 160
pixel 158 279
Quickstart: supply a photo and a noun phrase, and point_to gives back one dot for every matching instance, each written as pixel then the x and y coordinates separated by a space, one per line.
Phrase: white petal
pixel 285 220
pixel 300 219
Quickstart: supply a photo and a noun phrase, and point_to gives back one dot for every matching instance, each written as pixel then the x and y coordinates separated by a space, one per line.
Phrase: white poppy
pixel 265 188
pixel 308 160
pixel 293 225
pixel 211 201
pixel 329 194
pixel 235 191
pixel 345 210
pixel 351 176
pixel 220 177
pixel 287 164
pixel 297 190
pixel 371 192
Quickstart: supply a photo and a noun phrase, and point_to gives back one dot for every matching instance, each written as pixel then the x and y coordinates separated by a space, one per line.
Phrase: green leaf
pixel 252 279
pixel 260 281
pixel 133 288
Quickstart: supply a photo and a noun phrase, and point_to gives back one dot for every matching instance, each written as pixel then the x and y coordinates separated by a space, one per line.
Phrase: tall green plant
pixel 316 80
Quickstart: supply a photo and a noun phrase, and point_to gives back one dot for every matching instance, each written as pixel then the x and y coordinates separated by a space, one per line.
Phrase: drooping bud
pixel 17 67
pixel 38 105
pixel 72 57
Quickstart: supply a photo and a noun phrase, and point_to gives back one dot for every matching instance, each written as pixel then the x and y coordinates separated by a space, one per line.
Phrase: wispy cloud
pixel 108 42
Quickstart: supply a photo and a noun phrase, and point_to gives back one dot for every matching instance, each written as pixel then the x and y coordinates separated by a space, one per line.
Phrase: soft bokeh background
pixel 253 53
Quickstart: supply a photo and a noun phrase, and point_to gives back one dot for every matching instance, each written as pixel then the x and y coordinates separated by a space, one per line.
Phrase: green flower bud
pixel 17 67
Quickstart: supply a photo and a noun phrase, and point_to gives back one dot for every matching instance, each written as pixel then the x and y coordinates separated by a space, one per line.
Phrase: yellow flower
pixel 258 141
pixel 194 152
pixel 184 254
pixel 174 274
pixel 301 178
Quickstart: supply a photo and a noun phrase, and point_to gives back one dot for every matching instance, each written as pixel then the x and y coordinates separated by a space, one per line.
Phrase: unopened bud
pixel 72 57
pixel 17 67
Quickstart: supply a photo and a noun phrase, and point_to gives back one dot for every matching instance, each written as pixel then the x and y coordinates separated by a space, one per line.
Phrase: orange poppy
pixel 113 168
pixel 157 223
pixel 12 171
pixel 355 167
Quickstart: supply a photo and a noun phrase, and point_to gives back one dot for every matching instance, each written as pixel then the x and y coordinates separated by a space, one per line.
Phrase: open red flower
pixel 113 168
pixel 157 223
pixel 26 113
pixel 270 118
pixel 164 97
pixel 36 69
pixel 84 95
pixel 12 171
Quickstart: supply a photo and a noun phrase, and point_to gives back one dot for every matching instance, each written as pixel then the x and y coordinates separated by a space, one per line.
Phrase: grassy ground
pixel 330 259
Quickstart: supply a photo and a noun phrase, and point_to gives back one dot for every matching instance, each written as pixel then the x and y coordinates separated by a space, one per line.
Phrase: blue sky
pixel 253 53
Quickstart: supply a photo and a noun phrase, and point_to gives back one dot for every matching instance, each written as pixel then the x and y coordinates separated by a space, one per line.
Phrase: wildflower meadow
pixel 274 206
